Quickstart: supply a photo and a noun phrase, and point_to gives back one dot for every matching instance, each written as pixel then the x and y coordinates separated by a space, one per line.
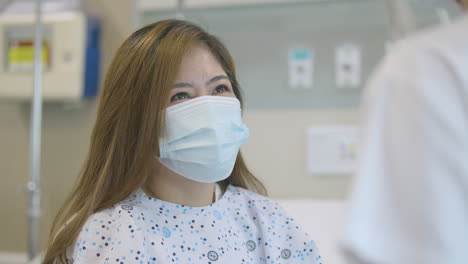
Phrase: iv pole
pixel 401 19
pixel 35 140
pixel 180 10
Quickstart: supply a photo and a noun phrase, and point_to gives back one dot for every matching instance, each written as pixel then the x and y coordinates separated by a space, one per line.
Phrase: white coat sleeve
pixel 410 198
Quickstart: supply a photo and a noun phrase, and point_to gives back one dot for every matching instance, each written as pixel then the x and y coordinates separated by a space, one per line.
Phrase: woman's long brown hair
pixel 129 121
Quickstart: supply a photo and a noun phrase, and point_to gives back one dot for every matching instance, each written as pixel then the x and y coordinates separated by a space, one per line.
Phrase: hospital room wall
pixel 275 152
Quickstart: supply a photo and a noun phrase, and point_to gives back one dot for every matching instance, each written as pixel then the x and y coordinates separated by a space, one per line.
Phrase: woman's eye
pixel 220 89
pixel 180 96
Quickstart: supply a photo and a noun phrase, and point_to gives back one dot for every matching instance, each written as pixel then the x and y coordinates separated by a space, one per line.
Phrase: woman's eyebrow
pixel 182 85
pixel 217 78
pixel 190 85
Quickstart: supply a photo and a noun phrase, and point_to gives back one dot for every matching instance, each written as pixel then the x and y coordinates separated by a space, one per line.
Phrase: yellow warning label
pixel 21 55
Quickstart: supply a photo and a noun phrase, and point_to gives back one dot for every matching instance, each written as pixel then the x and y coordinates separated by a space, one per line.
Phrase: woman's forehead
pixel 199 65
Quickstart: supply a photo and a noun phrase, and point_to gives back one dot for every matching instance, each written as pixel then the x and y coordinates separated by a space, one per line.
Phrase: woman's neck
pixel 169 186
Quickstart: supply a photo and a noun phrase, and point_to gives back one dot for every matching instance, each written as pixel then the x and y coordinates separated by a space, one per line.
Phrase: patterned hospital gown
pixel 241 227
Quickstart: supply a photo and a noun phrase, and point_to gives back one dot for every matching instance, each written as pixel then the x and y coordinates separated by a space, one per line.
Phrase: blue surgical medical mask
pixel 202 138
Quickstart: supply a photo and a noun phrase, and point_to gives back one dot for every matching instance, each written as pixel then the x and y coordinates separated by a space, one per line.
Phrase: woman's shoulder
pixel 127 211
pixel 258 203
pixel 251 197
pixel 106 231
pixel 276 225
pixel 240 191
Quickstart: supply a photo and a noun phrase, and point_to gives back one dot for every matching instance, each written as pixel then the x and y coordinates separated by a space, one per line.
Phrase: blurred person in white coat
pixel 410 198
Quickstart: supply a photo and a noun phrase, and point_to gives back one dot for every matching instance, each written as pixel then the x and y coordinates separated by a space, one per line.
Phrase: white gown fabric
pixel 410 201
pixel 240 227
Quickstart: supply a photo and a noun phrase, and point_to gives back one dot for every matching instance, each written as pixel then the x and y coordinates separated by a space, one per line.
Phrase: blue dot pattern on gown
pixel 241 227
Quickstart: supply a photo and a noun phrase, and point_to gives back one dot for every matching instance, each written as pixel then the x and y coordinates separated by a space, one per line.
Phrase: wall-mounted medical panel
pixel 70 55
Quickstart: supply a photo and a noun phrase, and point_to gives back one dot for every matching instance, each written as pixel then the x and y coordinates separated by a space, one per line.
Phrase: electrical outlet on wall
pixel 301 68
pixel 348 66
pixel 331 150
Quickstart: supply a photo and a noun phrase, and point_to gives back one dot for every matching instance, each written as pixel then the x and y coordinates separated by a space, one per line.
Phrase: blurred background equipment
pixel 71 61
pixel 36 51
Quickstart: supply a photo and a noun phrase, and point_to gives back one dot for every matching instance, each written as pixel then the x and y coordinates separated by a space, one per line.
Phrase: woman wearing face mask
pixel 164 181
